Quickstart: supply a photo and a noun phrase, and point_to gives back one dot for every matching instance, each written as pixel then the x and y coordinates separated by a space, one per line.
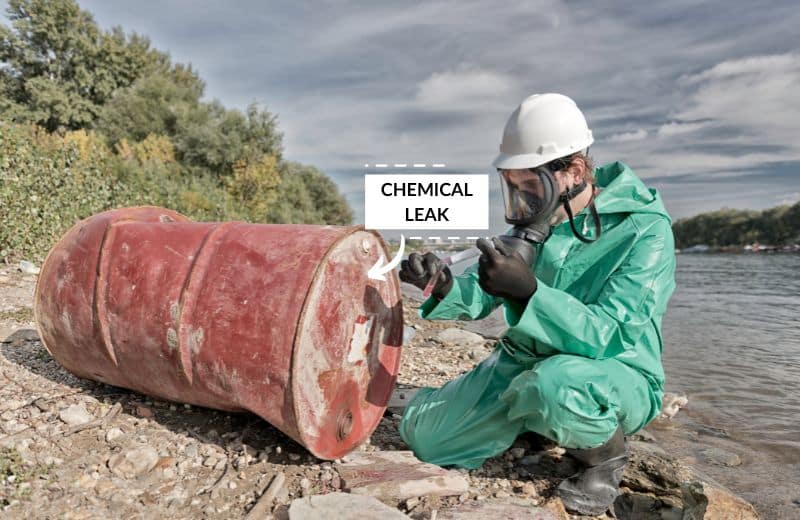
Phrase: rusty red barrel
pixel 280 320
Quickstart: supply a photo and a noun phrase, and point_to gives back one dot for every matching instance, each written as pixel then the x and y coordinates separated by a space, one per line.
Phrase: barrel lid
pixel 347 347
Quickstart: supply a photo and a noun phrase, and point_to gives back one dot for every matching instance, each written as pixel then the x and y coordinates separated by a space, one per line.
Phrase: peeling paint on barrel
pixel 279 320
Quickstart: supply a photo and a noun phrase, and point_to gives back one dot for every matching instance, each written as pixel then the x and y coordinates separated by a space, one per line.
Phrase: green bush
pixel 45 187
pixel 48 182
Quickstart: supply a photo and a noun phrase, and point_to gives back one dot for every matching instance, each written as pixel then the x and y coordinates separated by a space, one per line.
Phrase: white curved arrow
pixel 377 272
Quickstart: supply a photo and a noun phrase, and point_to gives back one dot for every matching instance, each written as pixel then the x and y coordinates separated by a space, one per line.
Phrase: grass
pixel 15 476
pixel 20 314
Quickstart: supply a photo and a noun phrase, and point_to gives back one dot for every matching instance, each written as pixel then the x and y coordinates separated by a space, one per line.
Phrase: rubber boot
pixel 593 490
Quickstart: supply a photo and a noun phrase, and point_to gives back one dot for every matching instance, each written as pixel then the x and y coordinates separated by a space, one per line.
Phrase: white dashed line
pixel 438 165
pixel 473 238
pixel 434 238
pixel 381 165
pixel 400 165
pixel 415 238
pixel 453 238
pixel 419 165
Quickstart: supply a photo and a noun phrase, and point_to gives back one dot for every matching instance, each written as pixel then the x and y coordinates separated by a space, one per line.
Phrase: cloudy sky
pixel 702 99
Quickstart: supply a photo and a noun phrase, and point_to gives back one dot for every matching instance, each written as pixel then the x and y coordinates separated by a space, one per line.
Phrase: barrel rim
pixel 369 428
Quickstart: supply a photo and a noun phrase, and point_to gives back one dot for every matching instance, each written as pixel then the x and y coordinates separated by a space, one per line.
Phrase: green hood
pixel 624 192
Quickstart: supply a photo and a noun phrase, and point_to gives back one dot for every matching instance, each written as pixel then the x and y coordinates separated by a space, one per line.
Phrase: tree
pixel 59 67
pixel 118 123
pixel 154 104
pixel 727 227
pixel 214 138
pixel 307 196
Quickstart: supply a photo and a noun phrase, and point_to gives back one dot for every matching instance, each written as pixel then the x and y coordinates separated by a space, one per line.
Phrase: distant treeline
pixel 728 227
pixel 93 119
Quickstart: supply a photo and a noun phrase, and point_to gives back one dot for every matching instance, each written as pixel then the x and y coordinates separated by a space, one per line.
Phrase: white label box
pixel 426 201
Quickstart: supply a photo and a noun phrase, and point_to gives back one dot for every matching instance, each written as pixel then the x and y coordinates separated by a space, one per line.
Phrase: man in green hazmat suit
pixel 584 277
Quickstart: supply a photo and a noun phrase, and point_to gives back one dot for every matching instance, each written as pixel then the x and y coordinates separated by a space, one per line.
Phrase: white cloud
pixel 758 96
pixel 464 89
pixel 746 67
pixel 636 135
pixel 676 128
pixel 736 114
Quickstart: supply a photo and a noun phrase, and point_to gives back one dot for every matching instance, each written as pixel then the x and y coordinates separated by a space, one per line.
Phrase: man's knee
pixel 565 398
pixel 559 379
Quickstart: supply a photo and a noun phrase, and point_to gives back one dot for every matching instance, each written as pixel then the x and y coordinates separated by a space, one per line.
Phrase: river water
pixel 732 345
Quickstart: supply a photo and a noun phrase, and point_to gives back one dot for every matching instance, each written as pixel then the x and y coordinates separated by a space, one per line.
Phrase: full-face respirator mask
pixel 530 198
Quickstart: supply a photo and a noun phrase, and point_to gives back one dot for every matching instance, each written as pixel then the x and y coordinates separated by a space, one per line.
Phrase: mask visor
pixel 529 196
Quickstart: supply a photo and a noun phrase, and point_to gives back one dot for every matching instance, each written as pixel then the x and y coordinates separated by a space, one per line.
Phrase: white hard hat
pixel 544 127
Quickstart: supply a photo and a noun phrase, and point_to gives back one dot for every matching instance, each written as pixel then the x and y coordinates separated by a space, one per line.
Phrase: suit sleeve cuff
pixel 446 308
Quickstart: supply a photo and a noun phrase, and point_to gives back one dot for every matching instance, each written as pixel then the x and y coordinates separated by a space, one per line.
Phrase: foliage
pixel 93 119
pixel 154 104
pixel 50 181
pixel 307 196
pixel 45 186
pixel 88 144
pixel 728 227
pixel 213 138
pixel 254 186
pixel 154 148
pixel 207 136
pixel 60 67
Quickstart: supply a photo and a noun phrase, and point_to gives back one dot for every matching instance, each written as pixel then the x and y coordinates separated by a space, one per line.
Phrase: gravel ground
pixel 74 448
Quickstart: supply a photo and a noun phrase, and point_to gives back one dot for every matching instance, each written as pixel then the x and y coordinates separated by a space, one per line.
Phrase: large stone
pixel 397 475
pixel 114 434
pixel 656 486
pixel 75 415
pixel 342 506
pixel 641 506
pixel 408 334
pixel 28 267
pixel 648 448
pixel 460 338
pixel 704 501
pixel 671 403
pixel 509 509
pixel 134 462
pixel 400 398
pixel 723 457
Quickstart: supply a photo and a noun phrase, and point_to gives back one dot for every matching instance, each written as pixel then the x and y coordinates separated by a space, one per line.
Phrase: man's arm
pixel 632 296
pixel 465 301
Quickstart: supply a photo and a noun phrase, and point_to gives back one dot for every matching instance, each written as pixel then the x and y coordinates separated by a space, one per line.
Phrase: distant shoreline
pixel 754 249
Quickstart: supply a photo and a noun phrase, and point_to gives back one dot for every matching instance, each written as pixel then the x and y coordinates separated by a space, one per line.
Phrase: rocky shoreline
pixel 73 448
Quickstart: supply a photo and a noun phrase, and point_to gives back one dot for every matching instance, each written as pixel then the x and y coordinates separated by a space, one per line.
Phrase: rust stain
pixel 172 338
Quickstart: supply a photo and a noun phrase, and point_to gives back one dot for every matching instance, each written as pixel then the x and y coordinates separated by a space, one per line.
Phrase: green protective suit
pixel 582 357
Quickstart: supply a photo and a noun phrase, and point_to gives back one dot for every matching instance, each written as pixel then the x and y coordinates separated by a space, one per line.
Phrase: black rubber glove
pixel 418 269
pixel 503 273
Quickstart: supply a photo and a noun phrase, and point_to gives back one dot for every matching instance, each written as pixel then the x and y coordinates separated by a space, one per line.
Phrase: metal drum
pixel 280 320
